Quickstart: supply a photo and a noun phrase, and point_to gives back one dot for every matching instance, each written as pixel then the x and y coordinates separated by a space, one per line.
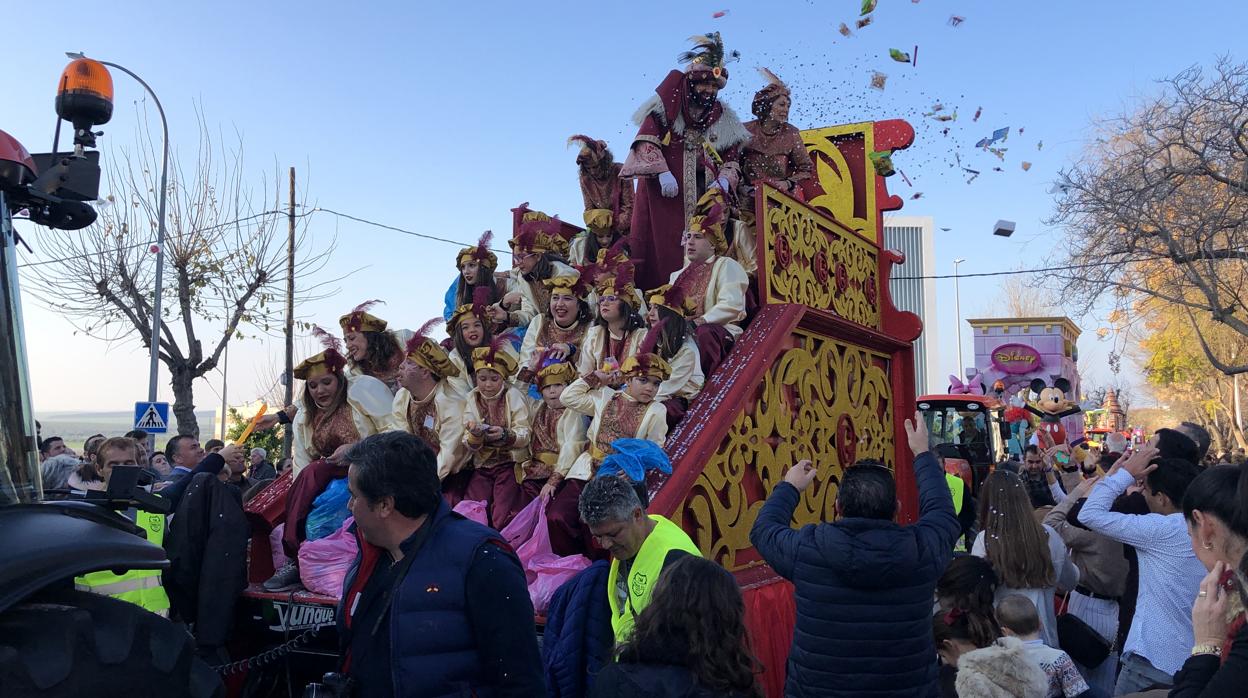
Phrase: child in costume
pixel 670 306
pixel 496 424
pixel 628 413
pixel 539 252
pixel 557 438
pixel 477 267
pixel 619 328
pixel 426 405
pixel 470 328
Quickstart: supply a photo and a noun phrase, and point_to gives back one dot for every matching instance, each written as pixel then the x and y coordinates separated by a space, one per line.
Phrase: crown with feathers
pixel 674 296
pixel 617 280
pixel 578 285
pixel 598 149
pixel 481 254
pixel 495 356
pixel 330 360
pixel 647 362
pixel 424 352
pixel 359 320
pixel 710 219
pixel 540 233
pixel 707 59
pixel 478 308
pixel 764 98
pixel 554 371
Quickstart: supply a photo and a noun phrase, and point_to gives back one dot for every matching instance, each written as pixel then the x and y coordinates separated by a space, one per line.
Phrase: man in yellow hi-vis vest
pixel 141 587
pixel 640 546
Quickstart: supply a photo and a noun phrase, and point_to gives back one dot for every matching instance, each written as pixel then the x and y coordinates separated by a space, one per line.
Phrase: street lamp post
pixel 154 367
pixel 957 310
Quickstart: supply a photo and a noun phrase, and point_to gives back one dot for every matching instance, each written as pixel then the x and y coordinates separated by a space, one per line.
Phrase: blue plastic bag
pixel 329 510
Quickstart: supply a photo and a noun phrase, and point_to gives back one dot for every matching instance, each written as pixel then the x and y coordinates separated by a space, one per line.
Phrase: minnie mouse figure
pixel 1051 405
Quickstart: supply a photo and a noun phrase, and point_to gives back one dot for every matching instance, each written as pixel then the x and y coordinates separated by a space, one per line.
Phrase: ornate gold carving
pixel 811 261
pixel 801 409
pixel 848 183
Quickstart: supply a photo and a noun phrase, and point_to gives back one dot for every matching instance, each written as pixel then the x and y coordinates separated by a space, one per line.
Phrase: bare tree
pixel 1156 211
pixel 225 257
pixel 1016 297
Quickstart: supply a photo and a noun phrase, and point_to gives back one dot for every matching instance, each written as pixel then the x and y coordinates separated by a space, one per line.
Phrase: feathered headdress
pixel 595 146
pixel 478 308
pixel 540 233
pixel 617 280
pixel 618 252
pixel 330 360
pixel 425 352
pixel 359 320
pixel 495 356
pixel 579 285
pixel 707 58
pixel 675 296
pixel 554 371
pixel 764 98
pixel 647 362
pixel 710 218
pixel 481 253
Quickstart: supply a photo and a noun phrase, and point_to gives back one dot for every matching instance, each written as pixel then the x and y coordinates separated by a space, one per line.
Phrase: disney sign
pixel 1016 359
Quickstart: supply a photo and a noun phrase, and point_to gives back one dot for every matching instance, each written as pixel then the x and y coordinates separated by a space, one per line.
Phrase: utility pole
pixel 287 377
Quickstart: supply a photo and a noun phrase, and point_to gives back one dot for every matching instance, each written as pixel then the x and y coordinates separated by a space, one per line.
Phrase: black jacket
pixel 1205 676
pixel 864 590
pixel 621 680
pixel 207 547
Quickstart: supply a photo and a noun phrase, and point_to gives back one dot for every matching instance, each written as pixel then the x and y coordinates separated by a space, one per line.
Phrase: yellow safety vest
pixel 665 538
pixel 956 487
pixel 141 587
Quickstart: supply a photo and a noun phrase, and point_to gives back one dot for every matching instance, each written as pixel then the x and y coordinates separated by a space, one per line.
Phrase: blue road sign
pixel 151 417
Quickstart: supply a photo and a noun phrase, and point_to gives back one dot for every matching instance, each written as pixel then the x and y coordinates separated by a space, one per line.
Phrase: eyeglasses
pixel 608 299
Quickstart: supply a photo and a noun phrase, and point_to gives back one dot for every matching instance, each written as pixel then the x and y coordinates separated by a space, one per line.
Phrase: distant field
pixel 76 427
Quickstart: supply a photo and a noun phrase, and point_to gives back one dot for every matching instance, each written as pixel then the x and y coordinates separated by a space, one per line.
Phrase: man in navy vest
pixel 435 605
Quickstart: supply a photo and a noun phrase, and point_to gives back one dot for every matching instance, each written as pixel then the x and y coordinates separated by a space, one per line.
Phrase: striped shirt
pixel 1170 574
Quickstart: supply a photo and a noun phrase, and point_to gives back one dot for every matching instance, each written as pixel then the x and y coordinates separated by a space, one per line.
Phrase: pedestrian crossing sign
pixel 151 417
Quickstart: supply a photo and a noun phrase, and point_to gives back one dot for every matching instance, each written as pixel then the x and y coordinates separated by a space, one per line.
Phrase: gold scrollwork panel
pixel 813 263
pixel 823 399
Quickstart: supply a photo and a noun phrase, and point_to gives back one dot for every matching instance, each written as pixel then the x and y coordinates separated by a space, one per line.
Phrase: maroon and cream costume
pixel 494 462
pixel 673 137
pixel 557 437
pixel 608 197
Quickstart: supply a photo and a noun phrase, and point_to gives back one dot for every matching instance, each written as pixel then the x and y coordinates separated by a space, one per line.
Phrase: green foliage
pixel 270 440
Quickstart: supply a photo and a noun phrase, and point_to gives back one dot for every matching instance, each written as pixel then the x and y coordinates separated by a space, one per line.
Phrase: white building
pixel 914 237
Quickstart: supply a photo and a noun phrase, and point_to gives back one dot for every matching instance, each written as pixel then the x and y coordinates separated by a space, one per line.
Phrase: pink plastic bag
pixel 275 545
pixel 472 510
pixel 552 572
pixel 323 563
pixel 544 571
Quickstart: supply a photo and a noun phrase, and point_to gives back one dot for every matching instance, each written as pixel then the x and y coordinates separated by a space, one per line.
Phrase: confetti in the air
pixel 1000 134
pixel 978 111
pixel 899 55
pixel 955 20
pixel 917 195
pixel 717 15
pixel 999 152
pixel 1026 165
pixel 877 80
pixel 905 178
pixel 868 6
pixel 1040 145
pixel 844 30
pixel 864 21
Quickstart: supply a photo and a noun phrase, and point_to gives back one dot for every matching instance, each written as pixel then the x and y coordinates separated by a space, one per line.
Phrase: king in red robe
pixel 688 141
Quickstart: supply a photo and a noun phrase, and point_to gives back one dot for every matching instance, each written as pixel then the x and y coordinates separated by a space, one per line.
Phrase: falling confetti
pixel 868 6
pixel 1040 145
pixel 998 169
pixel 948 117
pixel 946 229
pixel 1026 165
pixel 905 178
pixel 917 195
pixel 864 22
pixel 877 80
pixel 898 55
pixel 1020 130
pixel 999 152
pixel 978 111
pixel 844 30
pixel 717 15
pixel 1000 134
pixel 915 62
pixel 955 20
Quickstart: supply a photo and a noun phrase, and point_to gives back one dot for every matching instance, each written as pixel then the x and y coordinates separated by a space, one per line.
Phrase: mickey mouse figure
pixel 1051 406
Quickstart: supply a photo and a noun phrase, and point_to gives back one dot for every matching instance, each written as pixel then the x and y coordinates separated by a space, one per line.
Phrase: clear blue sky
pixel 439 117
